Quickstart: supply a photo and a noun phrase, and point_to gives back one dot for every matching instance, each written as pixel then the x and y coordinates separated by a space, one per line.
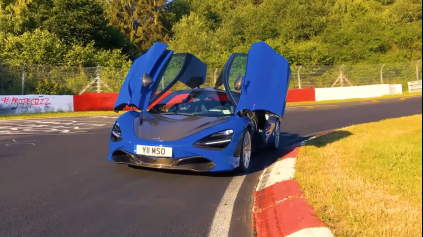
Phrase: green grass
pixel 56 115
pixel 369 183
pixel 406 94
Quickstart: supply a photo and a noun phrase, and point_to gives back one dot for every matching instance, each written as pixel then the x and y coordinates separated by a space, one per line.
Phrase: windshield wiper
pixel 175 113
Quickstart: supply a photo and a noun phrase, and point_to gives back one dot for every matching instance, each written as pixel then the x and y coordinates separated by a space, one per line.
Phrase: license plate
pixel 154 151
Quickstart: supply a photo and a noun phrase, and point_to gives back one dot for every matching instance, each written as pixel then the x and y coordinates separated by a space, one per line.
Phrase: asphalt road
pixel 55 180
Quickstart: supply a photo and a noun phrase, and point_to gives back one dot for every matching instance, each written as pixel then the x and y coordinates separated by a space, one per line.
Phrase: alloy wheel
pixel 247 150
pixel 277 134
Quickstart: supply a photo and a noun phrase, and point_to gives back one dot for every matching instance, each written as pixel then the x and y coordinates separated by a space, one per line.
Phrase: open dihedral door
pixel 262 76
pixel 139 83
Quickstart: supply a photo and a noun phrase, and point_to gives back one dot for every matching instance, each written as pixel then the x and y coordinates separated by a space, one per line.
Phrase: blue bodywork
pixel 132 93
pixel 183 148
pixel 267 76
pixel 263 92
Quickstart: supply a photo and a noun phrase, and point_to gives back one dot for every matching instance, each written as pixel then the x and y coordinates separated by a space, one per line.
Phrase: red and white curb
pixel 280 207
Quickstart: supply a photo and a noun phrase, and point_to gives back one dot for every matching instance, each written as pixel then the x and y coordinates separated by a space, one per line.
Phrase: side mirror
pixel 146 80
pixel 238 83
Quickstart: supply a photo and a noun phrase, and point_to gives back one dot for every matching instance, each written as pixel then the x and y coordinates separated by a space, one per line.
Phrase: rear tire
pixel 245 158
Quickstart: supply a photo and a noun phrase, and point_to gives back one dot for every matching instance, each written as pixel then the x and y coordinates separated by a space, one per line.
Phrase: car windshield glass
pixel 237 68
pixel 172 69
pixel 195 102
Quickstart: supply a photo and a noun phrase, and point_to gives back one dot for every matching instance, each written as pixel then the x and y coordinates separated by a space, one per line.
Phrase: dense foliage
pixel 114 32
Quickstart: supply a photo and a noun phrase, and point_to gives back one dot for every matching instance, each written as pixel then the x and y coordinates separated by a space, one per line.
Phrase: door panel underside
pixel 131 92
pixel 165 69
pixel 266 82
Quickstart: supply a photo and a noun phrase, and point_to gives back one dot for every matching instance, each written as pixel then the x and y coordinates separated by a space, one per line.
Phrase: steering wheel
pixel 174 107
pixel 181 106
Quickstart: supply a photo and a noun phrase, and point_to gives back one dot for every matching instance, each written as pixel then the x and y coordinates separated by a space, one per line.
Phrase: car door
pixel 133 92
pixel 264 83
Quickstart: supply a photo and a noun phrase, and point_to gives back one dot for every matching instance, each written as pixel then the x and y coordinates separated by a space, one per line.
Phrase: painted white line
pixel 18 143
pixel 313 232
pixel 283 170
pixel 223 216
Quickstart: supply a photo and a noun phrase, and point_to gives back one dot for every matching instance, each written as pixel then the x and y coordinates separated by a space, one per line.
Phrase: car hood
pixel 171 127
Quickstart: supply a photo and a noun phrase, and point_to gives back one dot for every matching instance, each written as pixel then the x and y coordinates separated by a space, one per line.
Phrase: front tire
pixel 245 159
pixel 276 135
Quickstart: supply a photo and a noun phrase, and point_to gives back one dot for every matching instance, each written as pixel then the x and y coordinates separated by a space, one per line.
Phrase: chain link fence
pixel 48 80
pixel 355 75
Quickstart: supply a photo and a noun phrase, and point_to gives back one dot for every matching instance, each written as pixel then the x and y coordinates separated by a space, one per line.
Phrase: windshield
pixel 171 72
pixel 194 102
pixel 237 68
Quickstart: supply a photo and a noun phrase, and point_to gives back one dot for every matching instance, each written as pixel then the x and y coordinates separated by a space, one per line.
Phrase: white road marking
pixel 223 216
pixel 18 143
pixel 313 232
pixel 49 126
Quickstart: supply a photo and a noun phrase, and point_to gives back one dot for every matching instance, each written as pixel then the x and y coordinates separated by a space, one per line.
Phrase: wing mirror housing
pixel 238 83
pixel 147 80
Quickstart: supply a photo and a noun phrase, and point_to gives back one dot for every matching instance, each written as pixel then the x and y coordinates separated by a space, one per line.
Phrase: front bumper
pixel 185 155
pixel 193 163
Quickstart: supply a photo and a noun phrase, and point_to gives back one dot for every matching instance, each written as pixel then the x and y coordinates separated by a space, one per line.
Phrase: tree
pixel 39 47
pixel 142 21
pixel 21 16
pixel 306 32
pixel 81 22
pixel 73 21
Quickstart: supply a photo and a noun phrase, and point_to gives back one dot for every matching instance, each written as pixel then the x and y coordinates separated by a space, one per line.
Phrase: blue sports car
pixel 177 124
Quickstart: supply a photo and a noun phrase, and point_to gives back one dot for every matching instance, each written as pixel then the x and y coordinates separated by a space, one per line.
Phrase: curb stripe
pixel 281 171
pixel 286 218
pixel 280 208
pixel 313 232
pixel 276 194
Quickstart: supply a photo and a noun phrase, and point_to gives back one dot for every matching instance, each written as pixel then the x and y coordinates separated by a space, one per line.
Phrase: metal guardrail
pixel 51 80
pixel 415 86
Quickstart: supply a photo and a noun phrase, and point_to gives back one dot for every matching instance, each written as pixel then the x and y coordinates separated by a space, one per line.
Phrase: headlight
pixel 217 141
pixel 116 133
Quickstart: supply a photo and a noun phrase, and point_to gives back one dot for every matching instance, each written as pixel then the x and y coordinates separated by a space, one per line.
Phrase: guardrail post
pixel 98 79
pixel 299 77
pixel 23 79
pixel 381 73
pixel 417 70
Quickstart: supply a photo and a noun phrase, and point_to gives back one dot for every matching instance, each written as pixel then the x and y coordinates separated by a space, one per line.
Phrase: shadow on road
pixel 264 158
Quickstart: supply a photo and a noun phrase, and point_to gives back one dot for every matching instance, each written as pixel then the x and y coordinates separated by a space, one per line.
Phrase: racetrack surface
pixel 58 183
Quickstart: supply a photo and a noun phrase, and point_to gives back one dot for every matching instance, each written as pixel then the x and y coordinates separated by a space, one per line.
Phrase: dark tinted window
pixel 208 103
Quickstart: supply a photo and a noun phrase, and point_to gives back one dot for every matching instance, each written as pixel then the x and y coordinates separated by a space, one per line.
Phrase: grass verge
pixel 405 95
pixel 368 183
pixel 56 115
